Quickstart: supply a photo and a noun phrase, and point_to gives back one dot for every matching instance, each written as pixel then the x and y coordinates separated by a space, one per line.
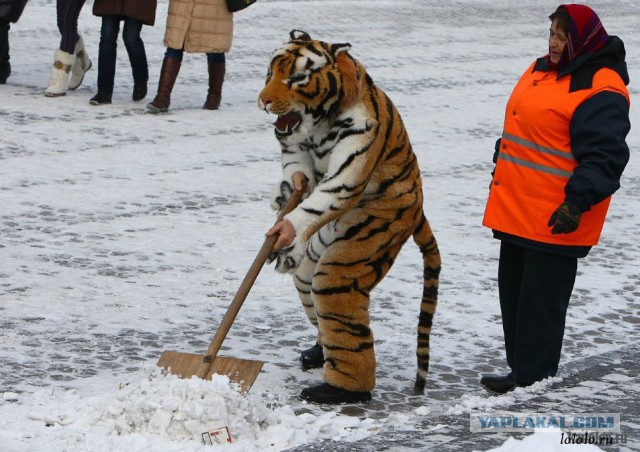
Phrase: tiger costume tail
pixel 424 238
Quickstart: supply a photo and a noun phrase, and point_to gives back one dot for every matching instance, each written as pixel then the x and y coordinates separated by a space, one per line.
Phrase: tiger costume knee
pixel 345 135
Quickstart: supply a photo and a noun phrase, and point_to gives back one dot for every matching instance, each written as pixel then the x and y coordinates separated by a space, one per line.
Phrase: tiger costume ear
pixel 349 71
pixel 299 35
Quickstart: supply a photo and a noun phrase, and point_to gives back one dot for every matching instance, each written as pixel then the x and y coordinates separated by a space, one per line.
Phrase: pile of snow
pixel 163 412
pixel 158 412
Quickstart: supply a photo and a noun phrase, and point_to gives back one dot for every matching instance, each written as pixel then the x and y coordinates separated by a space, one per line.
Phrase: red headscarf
pixel 586 32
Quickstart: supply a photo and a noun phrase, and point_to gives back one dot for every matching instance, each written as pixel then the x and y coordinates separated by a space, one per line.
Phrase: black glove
pixel 495 160
pixel 565 219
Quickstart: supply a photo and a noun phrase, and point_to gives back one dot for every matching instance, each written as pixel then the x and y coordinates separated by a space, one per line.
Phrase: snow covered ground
pixel 123 234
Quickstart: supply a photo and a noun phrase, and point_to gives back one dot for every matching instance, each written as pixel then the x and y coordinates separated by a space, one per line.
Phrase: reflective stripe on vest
pixel 537 147
pixel 535 166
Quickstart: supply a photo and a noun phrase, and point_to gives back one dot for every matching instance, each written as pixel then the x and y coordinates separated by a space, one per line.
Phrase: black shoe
pixel 5 72
pixel 499 384
pixel 100 99
pixel 325 393
pixel 312 358
pixel 139 91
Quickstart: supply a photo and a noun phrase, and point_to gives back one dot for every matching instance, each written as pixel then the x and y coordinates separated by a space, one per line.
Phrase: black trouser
pixel 108 51
pixel 535 288
pixel 4 42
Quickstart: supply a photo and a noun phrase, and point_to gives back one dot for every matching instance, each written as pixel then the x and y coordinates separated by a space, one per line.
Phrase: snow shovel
pixel 242 371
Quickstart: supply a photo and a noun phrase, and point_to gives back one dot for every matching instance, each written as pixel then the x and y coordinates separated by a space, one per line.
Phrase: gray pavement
pixel 95 286
pixel 607 383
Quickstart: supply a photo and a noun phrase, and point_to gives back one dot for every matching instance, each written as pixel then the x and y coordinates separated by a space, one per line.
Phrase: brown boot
pixel 216 78
pixel 168 75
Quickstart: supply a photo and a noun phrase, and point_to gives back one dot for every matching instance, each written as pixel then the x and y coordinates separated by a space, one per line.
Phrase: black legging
pixel 68 12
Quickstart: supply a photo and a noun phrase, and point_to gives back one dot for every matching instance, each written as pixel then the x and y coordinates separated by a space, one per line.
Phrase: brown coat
pixel 11 10
pixel 144 10
pixel 199 26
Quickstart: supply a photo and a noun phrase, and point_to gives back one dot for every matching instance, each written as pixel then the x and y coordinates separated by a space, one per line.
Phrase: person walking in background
pixel 196 26
pixel 70 61
pixel 560 158
pixel 134 14
pixel 10 12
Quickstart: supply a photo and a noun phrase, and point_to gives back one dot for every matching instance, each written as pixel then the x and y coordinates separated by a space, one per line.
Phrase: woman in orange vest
pixel 558 162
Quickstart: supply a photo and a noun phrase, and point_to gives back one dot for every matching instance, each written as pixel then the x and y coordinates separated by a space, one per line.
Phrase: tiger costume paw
pixel 288 258
pixel 280 195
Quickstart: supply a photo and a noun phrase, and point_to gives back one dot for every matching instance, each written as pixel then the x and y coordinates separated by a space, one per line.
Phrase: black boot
pixel 100 99
pixel 312 358
pixel 325 393
pixel 139 67
pixel 139 91
pixel 499 384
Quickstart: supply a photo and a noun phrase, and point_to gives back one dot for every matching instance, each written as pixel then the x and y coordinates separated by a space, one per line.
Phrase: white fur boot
pixel 62 64
pixel 80 67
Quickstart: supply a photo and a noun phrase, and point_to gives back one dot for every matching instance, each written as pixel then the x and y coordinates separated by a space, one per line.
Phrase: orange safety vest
pixel 535 160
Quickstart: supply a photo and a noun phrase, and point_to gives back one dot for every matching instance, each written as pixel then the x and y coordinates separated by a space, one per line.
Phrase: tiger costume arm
pixel 335 143
pixel 351 163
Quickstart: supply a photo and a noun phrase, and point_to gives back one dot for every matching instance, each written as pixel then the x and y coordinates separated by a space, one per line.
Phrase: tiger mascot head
pixel 309 80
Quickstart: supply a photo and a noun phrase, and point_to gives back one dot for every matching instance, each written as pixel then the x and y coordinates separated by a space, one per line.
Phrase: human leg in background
pixel 65 57
pixel 82 62
pixel 107 59
pixel 68 12
pixel 80 66
pixel 137 57
pixel 168 75
pixel 216 63
pixel 5 66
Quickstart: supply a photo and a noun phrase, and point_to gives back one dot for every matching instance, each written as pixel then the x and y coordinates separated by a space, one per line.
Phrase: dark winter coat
pixel 144 10
pixel 10 10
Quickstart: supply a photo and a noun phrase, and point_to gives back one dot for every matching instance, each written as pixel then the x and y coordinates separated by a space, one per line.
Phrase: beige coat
pixel 199 26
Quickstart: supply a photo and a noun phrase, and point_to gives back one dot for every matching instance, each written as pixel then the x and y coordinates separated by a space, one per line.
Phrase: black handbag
pixel 238 5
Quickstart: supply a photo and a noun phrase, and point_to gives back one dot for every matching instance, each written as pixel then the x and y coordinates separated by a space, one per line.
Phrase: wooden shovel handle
pixel 245 287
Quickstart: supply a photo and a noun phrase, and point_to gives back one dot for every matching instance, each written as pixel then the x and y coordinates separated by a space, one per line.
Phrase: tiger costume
pixel 365 200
